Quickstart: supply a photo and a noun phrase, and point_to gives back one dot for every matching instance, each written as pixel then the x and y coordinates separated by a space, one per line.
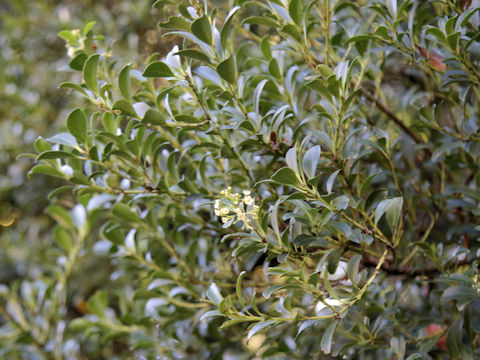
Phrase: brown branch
pixel 391 115
pixel 393 269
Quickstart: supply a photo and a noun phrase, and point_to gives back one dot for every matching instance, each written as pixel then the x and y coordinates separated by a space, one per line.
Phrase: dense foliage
pixel 292 179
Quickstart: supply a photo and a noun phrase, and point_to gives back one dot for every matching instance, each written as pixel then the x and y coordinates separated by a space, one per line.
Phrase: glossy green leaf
pixel 258 327
pixel 54 154
pixel 213 293
pixel 77 125
pixel 394 211
pixel 295 9
pixel 227 70
pixel 352 268
pixel 90 72
pixel 285 176
pixel 259 20
pixel 125 108
pixel 124 82
pixel 326 342
pixel 202 29
pixel 124 212
pixel 227 26
pixel 310 161
pixel 158 69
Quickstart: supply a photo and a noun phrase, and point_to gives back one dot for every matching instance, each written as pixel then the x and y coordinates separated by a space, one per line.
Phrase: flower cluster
pixel 232 208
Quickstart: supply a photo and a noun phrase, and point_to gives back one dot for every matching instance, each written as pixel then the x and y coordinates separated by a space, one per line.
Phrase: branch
pixel 393 269
pixel 391 115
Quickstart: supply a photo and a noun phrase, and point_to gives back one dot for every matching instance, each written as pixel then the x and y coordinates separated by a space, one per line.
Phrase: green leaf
pixel 265 47
pixel 213 293
pixel 398 347
pixel 124 212
pixel 415 356
pixel 326 342
pixel 259 326
pixel 341 202
pixel 231 322
pixel 67 36
pixel 352 268
pixel 153 117
pixel 333 260
pixel 291 160
pixel 359 38
pixel 460 293
pixel 125 107
pixel 331 181
pixel 394 211
pixel 176 23
pixel 90 73
pixel 392 8
pixel 97 304
pixel 295 9
pixel 60 215
pixel 274 69
pixel 325 71
pixel 77 125
pixel 41 145
pixel 54 154
pixel 381 208
pixel 239 286
pixel 158 69
pixel 437 33
pixel 73 86
pixel 227 70
pixel 210 313
pixel 63 239
pixel 285 176
pixel 274 288
pixel 124 82
pixel 260 20
pixel 227 26
pixel 454 338
pixel 194 54
pixel 310 161
pixel 43 169
pixel 293 32
pixel 202 29
pixel 78 62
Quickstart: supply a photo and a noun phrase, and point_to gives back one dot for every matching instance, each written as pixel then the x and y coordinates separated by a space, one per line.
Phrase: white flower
pixel 224 220
pixel 248 200
pixel 224 211
pixel 217 204
pixel 246 192
pixel 242 216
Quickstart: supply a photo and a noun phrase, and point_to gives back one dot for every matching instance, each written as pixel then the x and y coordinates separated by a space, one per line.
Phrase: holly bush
pixel 293 179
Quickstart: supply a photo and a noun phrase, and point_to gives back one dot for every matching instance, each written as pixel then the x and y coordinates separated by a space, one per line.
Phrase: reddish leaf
pixel 433 58
pixel 433 329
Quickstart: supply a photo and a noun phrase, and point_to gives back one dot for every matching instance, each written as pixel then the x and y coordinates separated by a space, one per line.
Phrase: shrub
pixel 294 179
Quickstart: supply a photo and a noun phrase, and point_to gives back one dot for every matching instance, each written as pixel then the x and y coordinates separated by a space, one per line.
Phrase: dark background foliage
pixel 301 181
